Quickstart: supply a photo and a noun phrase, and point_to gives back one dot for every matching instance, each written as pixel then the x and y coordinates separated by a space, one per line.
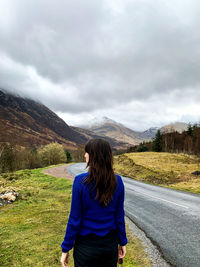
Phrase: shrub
pixel 52 153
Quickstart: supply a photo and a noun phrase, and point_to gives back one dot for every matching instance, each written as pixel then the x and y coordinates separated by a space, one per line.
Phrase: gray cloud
pixel 88 56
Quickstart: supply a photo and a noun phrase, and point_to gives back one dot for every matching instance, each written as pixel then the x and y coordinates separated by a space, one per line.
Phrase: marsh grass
pixel 33 227
pixel 165 169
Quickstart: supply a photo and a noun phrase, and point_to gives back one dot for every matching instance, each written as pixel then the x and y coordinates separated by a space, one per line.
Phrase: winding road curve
pixel 170 218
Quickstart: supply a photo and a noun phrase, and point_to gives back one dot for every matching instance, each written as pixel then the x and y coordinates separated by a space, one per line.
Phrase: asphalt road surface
pixel 170 218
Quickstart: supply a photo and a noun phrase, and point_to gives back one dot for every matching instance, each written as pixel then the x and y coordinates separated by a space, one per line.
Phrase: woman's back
pixel 97 210
pixel 95 218
pixel 88 216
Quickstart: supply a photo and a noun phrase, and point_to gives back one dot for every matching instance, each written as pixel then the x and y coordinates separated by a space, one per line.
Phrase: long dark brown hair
pixel 101 175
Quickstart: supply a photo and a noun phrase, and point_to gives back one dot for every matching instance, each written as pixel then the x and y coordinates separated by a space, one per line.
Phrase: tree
pixel 142 148
pixel 157 143
pixel 8 158
pixel 78 155
pixel 68 155
pixel 189 129
pixel 31 158
pixel 1 151
pixel 52 153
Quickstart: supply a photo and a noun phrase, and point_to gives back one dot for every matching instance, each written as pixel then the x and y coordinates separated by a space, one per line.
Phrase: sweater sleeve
pixel 75 217
pixel 120 220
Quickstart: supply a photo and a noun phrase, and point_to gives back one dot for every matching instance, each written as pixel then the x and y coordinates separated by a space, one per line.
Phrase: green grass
pixel 165 169
pixel 33 227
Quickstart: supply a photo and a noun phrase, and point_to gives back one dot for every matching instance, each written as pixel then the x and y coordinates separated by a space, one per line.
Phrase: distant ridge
pixel 176 126
pixel 113 142
pixel 110 128
pixel 118 131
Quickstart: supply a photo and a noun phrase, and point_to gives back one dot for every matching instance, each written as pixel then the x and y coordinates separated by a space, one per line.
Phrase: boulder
pixel 9 195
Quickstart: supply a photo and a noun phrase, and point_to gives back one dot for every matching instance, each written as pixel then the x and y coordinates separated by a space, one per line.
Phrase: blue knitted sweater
pixel 87 216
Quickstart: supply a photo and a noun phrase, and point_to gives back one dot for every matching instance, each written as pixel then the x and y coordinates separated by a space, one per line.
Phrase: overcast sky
pixel 134 61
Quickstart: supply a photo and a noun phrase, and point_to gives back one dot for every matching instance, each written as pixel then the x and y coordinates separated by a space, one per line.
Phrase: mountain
pixel 90 134
pixel 118 131
pixel 172 127
pixel 29 124
pixel 115 130
pixel 96 121
pixel 149 134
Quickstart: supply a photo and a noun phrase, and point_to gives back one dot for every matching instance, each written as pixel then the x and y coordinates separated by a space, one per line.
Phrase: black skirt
pixel 96 251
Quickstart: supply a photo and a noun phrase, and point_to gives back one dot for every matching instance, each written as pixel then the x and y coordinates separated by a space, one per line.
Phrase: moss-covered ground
pixel 33 227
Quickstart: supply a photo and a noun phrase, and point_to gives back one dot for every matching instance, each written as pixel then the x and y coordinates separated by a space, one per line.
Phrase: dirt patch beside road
pixel 60 171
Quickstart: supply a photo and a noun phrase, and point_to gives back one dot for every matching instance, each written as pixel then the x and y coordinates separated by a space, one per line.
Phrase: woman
pixel 96 226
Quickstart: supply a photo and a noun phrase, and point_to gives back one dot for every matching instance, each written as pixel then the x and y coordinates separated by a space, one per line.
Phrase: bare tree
pixel 1 151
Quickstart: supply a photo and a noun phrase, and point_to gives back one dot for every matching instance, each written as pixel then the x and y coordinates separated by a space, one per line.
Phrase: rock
pixel 9 196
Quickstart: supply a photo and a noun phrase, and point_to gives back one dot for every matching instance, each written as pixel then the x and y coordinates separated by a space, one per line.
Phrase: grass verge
pixel 165 169
pixel 33 227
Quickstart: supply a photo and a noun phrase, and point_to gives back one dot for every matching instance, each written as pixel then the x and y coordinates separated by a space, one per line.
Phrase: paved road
pixel 170 218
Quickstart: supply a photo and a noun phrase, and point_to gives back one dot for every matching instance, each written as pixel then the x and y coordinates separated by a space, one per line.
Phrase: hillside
pixel 165 169
pixel 28 123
